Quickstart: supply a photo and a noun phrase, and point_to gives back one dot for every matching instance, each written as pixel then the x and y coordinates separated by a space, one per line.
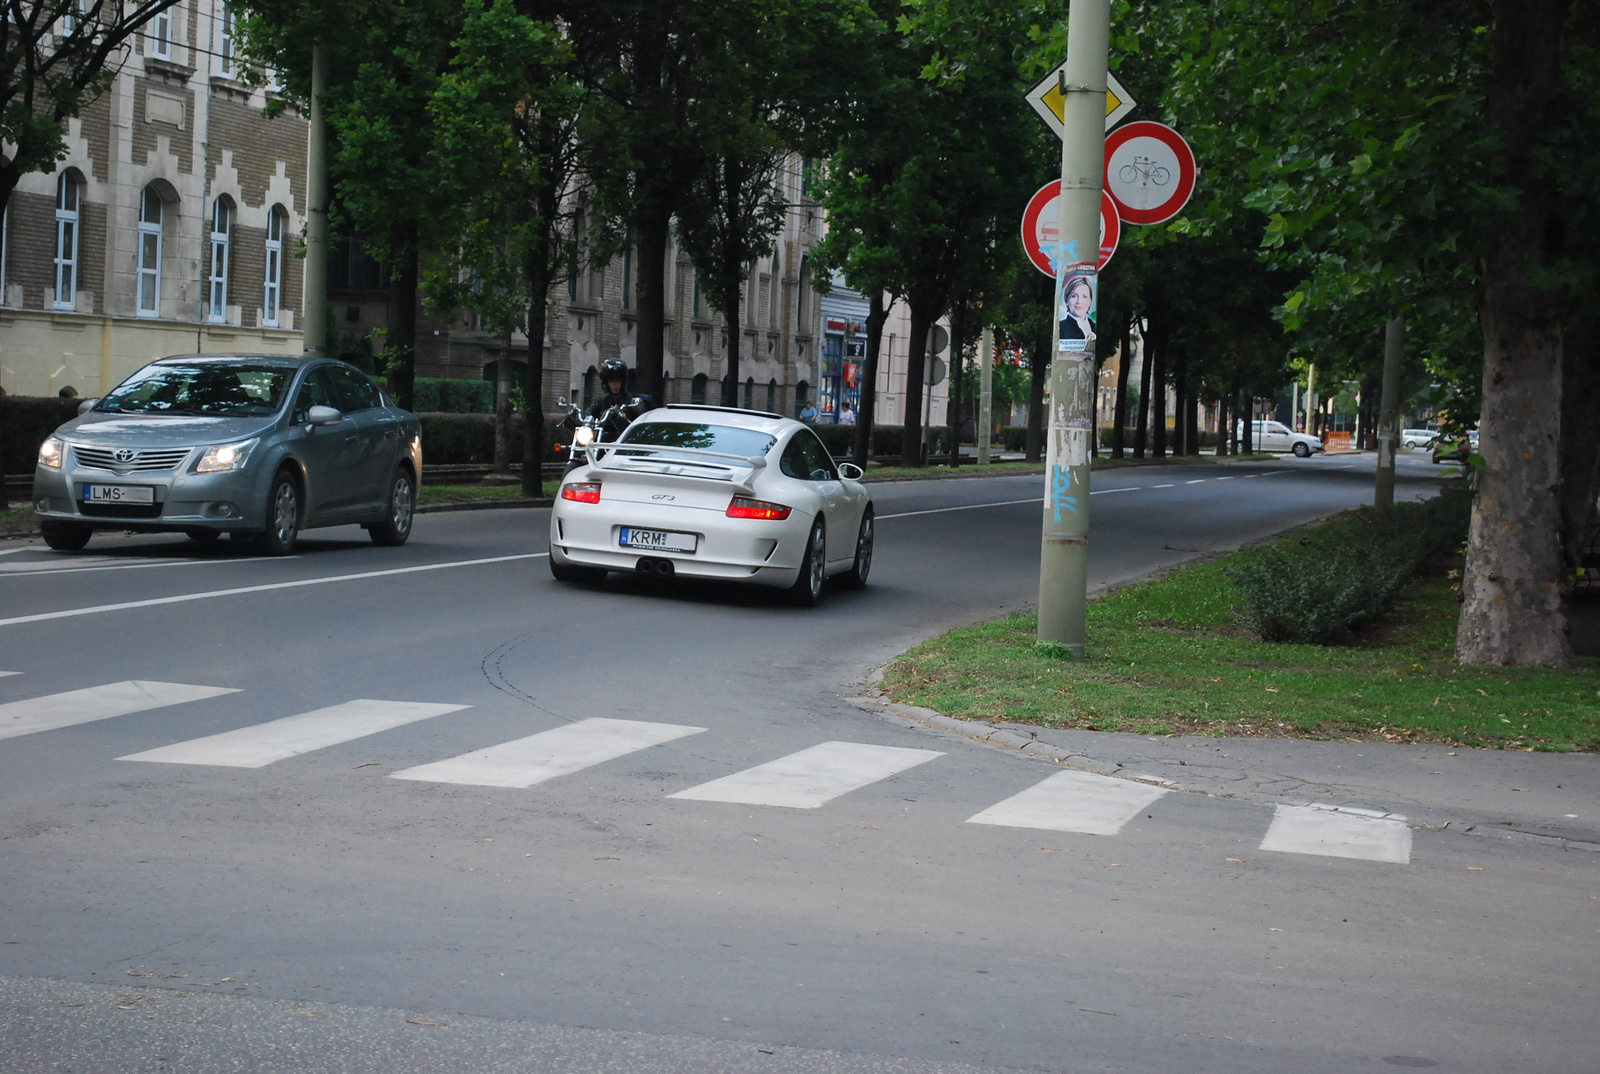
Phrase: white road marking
pixel 1073 802
pixel 96 703
pixel 1230 477
pixel 964 507
pixel 3 674
pixel 811 778
pixel 258 746
pixel 158 601
pixel 1130 488
pixel 1196 481
pixel 1161 486
pixel 557 752
pixel 24 570
pixel 24 548
pixel 1342 834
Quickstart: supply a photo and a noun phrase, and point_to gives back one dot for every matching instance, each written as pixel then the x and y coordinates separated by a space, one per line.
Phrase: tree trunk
pixel 911 437
pixel 533 420
pixel 732 297
pixel 1141 426
pixel 1191 423
pixel 877 314
pixel 1119 420
pixel 1039 373
pixel 952 406
pixel 654 222
pixel 1224 428
pixel 1580 438
pixel 502 407
pixel 1180 378
pixel 401 370
pixel 1511 590
pixel 1158 397
pixel 1247 423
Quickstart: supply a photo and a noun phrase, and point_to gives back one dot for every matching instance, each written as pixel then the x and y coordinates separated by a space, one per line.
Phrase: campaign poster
pixel 1077 292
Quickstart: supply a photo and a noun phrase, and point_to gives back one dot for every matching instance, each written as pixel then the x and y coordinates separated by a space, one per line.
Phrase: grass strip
pixel 432 494
pixel 1174 656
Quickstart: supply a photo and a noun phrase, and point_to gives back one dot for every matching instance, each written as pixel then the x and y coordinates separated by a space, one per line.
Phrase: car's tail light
pixel 581 492
pixel 743 507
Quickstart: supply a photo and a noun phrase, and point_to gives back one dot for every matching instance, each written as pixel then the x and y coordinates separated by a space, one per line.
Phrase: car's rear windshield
pixel 684 434
pixel 230 391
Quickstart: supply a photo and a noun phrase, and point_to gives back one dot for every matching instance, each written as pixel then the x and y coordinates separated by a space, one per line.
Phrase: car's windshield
pixel 724 438
pixel 234 391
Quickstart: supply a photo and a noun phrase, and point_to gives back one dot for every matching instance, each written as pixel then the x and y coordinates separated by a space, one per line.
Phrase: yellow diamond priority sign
pixel 1048 101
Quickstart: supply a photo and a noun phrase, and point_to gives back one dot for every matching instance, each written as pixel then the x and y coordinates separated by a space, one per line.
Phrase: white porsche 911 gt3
pixel 714 492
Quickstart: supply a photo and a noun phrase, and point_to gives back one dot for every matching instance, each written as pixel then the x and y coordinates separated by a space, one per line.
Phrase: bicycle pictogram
pixel 1144 168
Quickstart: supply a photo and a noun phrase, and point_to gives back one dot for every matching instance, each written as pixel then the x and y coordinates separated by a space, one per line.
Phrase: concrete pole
pixel 314 309
pixel 1064 551
pixel 1389 411
pixel 985 394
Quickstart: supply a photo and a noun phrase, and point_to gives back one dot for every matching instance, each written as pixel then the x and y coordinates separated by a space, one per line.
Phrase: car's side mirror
pixel 87 405
pixel 324 415
pixel 851 472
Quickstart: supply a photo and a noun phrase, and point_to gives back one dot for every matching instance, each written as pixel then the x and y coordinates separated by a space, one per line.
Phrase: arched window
pixel 802 392
pixel 775 293
pixel 591 380
pixel 151 210
pixel 772 396
pixel 697 391
pixel 277 221
pixel 69 195
pixel 801 290
pixel 750 393
pixel 221 239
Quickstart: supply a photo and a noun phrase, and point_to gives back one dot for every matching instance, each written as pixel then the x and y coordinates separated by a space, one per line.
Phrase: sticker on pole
pixel 1150 171
pixel 1041 231
pixel 1076 295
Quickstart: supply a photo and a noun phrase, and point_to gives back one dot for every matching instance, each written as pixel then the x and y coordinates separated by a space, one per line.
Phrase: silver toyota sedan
pixel 254 446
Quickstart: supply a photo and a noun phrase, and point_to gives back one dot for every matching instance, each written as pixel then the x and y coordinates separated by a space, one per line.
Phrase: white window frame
pixel 217 273
pixel 69 225
pixel 272 286
pixel 149 256
pixel 227 48
pixel 161 35
pixel 69 21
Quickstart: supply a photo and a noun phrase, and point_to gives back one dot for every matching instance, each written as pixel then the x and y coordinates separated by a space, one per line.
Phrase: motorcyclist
pixel 615 404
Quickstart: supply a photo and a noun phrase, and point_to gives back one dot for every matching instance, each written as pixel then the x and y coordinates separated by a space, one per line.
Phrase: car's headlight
pixel 221 457
pixel 51 452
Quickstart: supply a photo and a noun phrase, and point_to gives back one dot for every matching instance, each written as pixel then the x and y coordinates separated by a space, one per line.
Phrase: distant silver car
pixel 1415 438
pixel 259 446
pixel 1276 436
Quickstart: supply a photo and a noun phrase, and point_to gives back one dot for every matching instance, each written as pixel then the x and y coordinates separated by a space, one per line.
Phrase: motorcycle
pixel 590 429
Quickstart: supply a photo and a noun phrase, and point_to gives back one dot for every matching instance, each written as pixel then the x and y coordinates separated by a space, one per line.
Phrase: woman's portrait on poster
pixel 1077 301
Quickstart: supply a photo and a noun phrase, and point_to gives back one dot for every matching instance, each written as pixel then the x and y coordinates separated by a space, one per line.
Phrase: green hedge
pixel 25 421
pixel 462 439
pixel 1314 587
pixel 443 395
pixel 840 440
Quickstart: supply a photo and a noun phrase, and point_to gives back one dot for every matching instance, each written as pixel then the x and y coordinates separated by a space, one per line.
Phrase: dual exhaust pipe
pixel 662 568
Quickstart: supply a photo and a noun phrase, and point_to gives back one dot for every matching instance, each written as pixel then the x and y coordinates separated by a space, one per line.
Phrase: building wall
pixel 151 128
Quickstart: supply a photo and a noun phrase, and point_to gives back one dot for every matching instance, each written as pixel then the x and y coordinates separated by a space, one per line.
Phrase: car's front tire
pixel 807 588
pixel 856 577
pixel 65 536
pixel 1301 451
pixel 395 528
pixel 283 516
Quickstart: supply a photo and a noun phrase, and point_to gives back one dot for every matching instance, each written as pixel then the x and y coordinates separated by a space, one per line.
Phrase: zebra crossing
pixel 811 778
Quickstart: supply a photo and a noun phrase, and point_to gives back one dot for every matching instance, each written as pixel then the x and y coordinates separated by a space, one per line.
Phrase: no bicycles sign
pixel 1150 171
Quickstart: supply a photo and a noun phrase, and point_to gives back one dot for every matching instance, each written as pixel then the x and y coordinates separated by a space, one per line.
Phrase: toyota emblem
pixel 123 454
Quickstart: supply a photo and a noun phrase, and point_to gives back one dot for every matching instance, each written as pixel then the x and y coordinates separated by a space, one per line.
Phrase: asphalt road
pixel 638 893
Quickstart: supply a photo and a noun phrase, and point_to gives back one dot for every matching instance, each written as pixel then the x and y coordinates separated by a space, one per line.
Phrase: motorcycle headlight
pixel 222 457
pixel 51 451
pixel 584 436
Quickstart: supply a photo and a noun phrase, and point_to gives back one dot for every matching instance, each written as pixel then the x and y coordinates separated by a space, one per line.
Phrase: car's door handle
pixel 351 438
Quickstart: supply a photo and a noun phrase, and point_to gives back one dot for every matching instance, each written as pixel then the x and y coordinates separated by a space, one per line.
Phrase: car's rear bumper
pixel 759 552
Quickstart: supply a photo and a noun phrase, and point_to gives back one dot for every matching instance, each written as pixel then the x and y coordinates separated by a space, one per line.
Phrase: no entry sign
pixel 1150 171
pixel 1041 233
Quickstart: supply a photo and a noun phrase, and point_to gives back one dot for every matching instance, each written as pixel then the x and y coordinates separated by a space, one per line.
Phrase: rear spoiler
pixel 599 451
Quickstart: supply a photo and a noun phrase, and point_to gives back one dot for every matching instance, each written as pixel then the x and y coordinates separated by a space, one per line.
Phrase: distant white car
pixel 1276 436
pixel 1415 438
pixel 714 492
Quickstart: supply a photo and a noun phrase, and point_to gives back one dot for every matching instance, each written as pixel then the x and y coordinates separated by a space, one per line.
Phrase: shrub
pixel 1315 587
pixel 25 422
pixel 445 395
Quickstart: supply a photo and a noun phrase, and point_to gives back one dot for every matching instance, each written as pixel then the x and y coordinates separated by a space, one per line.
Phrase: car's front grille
pixel 142 461
pixel 121 510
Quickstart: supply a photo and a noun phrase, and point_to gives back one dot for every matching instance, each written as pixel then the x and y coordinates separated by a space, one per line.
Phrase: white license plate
pixel 657 540
pixel 118 494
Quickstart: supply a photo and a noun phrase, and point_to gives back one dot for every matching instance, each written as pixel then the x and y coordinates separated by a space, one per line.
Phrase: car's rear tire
pixel 65 536
pixel 807 588
pixel 570 572
pixel 856 577
pixel 400 512
pixel 283 516
pixel 1301 451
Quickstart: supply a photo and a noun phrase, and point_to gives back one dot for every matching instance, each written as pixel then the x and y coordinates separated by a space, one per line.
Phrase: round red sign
pixel 1150 171
pixel 1041 233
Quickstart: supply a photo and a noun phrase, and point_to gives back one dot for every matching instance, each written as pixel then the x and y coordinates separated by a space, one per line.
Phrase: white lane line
pixel 158 601
pixel 258 746
pixel 1196 481
pixel 1230 477
pixel 1130 488
pixel 96 703
pixel 3 674
pixel 25 570
pixel 1313 830
pixel 557 752
pixel 1161 486
pixel 1073 802
pixel 811 778
pixel 965 507
pixel 24 548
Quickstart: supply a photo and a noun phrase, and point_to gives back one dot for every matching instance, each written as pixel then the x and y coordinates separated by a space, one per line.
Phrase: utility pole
pixel 314 326
pixel 1389 411
pixel 985 394
pixel 1064 550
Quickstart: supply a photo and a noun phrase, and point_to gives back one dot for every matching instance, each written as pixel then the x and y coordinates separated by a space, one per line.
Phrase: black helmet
pixel 614 369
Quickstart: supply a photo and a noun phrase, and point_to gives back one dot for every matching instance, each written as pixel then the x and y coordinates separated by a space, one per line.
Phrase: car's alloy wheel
pixel 807 589
pixel 857 577
pixel 283 516
pixel 402 508
pixel 65 536
pixel 1301 451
